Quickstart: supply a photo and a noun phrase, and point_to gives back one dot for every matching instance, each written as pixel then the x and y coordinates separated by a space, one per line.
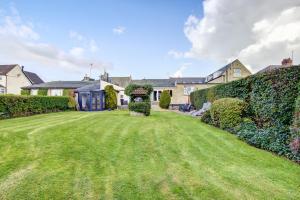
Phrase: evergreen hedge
pixel 110 97
pixel 165 99
pixel 16 106
pixel 140 107
pixel 271 96
pixel 271 107
pixel 42 92
pixel 25 92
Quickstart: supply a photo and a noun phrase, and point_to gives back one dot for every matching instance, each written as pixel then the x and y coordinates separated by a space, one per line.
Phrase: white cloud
pixel 182 68
pixel 20 43
pixel 257 32
pixel 175 54
pixel 88 43
pixel 119 30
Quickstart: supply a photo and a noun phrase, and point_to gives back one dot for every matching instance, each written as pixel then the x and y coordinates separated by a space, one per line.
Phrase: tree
pixel 165 99
pixel 110 97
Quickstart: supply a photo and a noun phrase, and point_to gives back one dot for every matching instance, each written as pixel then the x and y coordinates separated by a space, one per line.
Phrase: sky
pixel 59 40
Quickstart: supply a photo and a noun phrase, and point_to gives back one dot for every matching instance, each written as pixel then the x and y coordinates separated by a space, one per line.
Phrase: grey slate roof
pixel 219 72
pixel 33 78
pixel 91 87
pixel 189 80
pixel 269 68
pixel 4 69
pixel 155 82
pixel 61 85
pixel 121 81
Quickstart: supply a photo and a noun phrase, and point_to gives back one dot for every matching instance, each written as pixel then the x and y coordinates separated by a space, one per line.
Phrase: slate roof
pixel 121 81
pixel 139 91
pixel 61 85
pixel 269 68
pixel 189 80
pixel 4 69
pixel 91 87
pixel 155 82
pixel 219 72
pixel 33 77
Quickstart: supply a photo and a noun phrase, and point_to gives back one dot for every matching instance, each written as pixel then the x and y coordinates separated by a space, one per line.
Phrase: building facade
pixel 13 78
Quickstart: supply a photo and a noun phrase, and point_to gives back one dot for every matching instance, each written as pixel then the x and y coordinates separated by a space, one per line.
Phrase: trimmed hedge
pixel 42 92
pixel 165 99
pixel 140 107
pixel 226 113
pixel 271 95
pixel 110 97
pixel 16 106
pixel 271 107
pixel 25 92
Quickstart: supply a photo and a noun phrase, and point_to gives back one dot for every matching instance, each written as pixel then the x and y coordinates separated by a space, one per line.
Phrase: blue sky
pixel 152 29
pixel 146 38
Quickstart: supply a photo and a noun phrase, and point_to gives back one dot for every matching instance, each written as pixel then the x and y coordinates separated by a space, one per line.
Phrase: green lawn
pixel 110 155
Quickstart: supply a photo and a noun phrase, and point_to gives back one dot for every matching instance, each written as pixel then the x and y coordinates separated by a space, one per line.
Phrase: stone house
pixel 14 77
pixel 180 88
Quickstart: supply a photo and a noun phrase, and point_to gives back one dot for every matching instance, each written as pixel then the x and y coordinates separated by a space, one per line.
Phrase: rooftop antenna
pixel 91 65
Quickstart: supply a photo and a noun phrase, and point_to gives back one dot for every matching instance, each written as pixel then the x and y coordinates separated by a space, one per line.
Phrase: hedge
pixel 140 107
pixel 42 92
pixel 110 97
pixel 226 113
pixel 165 99
pixel 272 104
pixel 16 106
pixel 25 92
pixel 271 95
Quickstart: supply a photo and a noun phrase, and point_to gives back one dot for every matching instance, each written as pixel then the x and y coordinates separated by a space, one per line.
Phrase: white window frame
pixel 237 72
pixel 187 90
pixel 56 92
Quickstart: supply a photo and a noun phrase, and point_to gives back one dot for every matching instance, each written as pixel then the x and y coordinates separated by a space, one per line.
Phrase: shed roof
pixel 155 82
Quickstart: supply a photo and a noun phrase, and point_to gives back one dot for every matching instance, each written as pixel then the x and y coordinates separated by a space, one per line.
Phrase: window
pixel 2 90
pixel 171 92
pixel 237 72
pixel 56 92
pixel 188 89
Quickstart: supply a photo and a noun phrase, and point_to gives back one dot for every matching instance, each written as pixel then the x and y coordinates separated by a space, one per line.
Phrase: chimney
pixel 287 62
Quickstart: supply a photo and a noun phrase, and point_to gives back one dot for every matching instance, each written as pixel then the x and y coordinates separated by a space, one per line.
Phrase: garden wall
pixel 16 106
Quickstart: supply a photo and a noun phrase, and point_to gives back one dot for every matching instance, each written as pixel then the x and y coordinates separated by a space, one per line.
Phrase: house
pixel 13 78
pixel 287 62
pixel 180 88
pixel 88 91
pixel 230 72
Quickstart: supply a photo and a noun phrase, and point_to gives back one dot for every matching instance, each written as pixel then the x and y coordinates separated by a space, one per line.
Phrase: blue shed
pixel 90 97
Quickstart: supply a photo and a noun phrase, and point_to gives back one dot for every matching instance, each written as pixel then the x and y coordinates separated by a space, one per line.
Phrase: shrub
pixel 264 92
pixel 25 92
pixel 110 97
pixel 165 99
pixel 42 92
pixel 206 118
pixel 226 113
pixel 15 106
pixel 140 107
pixel 131 87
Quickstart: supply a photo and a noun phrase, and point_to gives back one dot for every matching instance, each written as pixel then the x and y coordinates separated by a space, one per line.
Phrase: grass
pixel 110 155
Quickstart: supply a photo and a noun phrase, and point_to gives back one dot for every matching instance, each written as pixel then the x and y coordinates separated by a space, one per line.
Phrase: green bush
pixel 25 92
pixel 271 96
pixel 165 99
pixel 206 118
pixel 131 87
pixel 227 113
pixel 140 107
pixel 42 92
pixel 110 97
pixel 15 106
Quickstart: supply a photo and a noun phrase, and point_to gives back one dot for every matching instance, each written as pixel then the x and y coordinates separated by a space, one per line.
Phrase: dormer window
pixel 237 72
